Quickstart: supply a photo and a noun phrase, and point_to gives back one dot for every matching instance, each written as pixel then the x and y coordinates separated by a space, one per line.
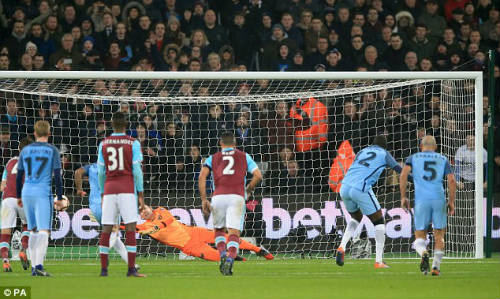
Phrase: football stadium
pixel 250 149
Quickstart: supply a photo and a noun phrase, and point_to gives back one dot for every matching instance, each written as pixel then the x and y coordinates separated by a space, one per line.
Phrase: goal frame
pixel 478 98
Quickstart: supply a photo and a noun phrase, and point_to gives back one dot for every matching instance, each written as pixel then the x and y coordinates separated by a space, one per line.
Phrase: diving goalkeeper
pixel 191 240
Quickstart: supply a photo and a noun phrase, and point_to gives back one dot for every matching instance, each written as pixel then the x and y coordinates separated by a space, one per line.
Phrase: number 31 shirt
pixel 229 169
pixel 367 167
pixel 118 153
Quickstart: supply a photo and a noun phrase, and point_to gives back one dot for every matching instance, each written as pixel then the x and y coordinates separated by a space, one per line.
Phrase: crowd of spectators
pixel 274 35
pixel 268 35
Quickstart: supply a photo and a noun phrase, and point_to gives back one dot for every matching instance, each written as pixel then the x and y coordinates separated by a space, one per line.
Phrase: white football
pixel 65 202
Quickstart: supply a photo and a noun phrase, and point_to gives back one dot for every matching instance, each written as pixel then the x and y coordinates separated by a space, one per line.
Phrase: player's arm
pixel 56 166
pixel 394 165
pixel 79 174
pixel 4 180
pixel 255 171
pixel 452 188
pixel 202 186
pixel 19 179
pixel 137 172
pixel 101 169
pixel 403 182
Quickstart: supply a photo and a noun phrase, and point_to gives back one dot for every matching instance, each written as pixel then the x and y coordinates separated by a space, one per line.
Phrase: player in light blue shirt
pixel 91 171
pixel 429 170
pixel 37 162
pixel 359 199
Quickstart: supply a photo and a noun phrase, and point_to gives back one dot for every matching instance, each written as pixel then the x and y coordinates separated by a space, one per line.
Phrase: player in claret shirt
pixel 229 168
pixel 11 209
pixel 120 176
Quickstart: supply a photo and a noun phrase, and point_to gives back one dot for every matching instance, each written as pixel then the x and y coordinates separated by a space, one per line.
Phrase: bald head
pixel 429 143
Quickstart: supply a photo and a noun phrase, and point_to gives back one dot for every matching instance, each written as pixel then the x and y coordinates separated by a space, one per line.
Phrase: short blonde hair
pixel 42 128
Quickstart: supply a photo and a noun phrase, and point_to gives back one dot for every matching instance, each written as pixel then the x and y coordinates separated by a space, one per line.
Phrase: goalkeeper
pixel 191 240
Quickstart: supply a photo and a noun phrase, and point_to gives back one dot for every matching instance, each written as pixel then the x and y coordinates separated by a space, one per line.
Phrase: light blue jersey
pixel 91 171
pixel 367 167
pixel 428 170
pixel 38 161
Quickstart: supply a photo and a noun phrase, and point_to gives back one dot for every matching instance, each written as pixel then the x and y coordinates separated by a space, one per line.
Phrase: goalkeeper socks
pixel 104 249
pixel 438 256
pixel 349 232
pixel 32 246
pixel 42 244
pixel 116 243
pixel 25 237
pixel 4 246
pixel 220 242
pixel 232 245
pixel 420 246
pixel 131 246
pixel 379 242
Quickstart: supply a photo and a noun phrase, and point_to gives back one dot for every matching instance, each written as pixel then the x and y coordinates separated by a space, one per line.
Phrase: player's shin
pixel 131 246
pixel 25 237
pixel 438 257
pixel 4 246
pixel 104 249
pixel 220 242
pixel 117 244
pixel 349 232
pixel 42 244
pixel 379 242
pixel 420 246
pixel 233 245
pixel 32 246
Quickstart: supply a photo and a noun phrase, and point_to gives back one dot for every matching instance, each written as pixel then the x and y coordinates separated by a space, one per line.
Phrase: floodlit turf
pixel 260 279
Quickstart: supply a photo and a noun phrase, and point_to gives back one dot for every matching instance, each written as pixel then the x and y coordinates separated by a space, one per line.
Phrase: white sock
pixel 420 246
pixel 42 244
pixel 32 246
pixel 117 243
pixel 438 256
pixel 349 232
pixel 379 242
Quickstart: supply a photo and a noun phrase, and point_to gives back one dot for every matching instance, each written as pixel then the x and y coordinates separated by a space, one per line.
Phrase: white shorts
pixel 115 205
pixel 228 211
pixel 10 211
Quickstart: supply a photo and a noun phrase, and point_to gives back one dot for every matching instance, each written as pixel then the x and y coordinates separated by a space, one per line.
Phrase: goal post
pixel 297 213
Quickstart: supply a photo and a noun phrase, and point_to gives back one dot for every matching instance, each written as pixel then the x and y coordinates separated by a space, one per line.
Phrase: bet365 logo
pixel 15 292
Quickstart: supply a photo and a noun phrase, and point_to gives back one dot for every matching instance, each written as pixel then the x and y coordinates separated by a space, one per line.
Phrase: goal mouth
pixel 292 124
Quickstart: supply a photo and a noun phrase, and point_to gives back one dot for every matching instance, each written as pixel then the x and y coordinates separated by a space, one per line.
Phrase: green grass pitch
pixel 260 279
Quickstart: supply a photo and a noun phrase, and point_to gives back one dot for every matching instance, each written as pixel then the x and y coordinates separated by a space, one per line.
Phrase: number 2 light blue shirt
pixel 367 167
pixel 428 170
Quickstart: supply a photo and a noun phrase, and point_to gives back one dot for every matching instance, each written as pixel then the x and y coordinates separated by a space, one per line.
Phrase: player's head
pixel 227 139
pixel 24 142
pixel 42 129
pixel 380 141
pixel 428 143
pixel 147 213
pixel 119 122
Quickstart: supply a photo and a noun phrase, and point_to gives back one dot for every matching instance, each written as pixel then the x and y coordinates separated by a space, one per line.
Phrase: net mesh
pixel 292 129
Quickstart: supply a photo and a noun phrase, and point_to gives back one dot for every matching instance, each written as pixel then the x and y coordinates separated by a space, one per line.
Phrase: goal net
pixel 294 125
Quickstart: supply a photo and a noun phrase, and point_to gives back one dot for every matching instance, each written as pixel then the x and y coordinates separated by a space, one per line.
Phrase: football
pixel 65 201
